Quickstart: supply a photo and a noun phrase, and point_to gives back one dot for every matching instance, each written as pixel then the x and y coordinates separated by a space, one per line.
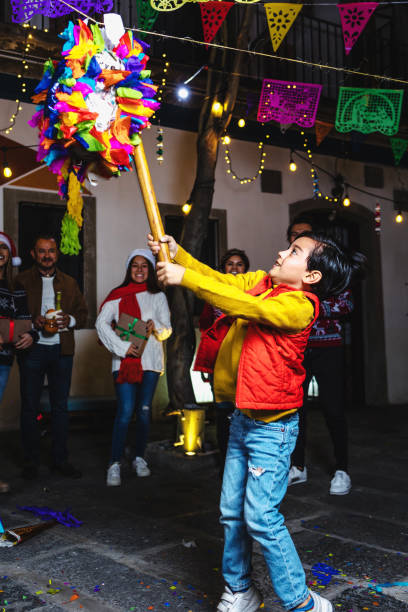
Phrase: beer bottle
pixel 51 325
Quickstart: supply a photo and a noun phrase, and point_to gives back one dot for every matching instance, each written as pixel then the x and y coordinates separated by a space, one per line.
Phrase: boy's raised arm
pixel 181 257
pixel 291 311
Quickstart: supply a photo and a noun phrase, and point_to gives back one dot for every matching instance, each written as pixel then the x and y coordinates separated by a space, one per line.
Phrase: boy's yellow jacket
pixel 263 350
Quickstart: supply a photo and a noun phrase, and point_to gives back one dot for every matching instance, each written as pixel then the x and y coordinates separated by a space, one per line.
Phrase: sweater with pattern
pixel 13 305
pixel 328 329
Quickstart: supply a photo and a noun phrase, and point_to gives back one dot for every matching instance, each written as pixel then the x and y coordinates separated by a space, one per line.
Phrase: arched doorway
pixel 355 225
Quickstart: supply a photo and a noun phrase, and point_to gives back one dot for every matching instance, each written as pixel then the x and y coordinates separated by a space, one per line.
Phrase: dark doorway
pixel 35 219
pixel 347 231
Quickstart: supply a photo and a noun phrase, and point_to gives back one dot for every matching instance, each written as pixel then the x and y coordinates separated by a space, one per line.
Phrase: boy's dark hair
pixel 231 253
pixel 340 267
pixel 302 218
pixel 45 236
pixel 152 285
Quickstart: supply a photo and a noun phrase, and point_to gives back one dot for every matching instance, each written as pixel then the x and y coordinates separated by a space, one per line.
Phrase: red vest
pixel 270 372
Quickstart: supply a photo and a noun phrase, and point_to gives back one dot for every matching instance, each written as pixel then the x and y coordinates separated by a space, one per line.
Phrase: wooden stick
pixel 149 198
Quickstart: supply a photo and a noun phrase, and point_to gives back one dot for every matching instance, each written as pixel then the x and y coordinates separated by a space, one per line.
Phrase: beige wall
pixel 256 222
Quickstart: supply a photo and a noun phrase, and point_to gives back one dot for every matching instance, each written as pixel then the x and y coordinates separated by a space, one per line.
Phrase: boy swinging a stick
pixel 256 351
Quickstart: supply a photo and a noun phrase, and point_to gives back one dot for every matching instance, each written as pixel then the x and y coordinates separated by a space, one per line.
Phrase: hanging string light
pixel 227 156
pixel 186 208
pixel 292 163
pixel 7 172
pixel 159 145
pixel 341 188
pixel 346 201
pixel 160 94
pixel 317 193
pixel 22 75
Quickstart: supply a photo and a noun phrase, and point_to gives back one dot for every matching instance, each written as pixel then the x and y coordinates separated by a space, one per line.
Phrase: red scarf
pixel 131 370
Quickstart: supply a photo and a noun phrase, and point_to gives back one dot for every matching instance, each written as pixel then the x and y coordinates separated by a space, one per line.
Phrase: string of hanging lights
pixel 261 164
pixel 22 75
pixel 340 192
pixel 160 95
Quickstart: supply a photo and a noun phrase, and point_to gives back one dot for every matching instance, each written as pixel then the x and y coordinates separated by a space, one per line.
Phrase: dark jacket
pixel 72 301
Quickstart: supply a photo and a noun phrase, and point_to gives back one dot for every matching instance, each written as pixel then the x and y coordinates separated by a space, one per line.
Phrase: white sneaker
pixel 113 475
pixel 340 484
pixel 296 476
pixel 140 466
pixel 320 603
pixel 240 602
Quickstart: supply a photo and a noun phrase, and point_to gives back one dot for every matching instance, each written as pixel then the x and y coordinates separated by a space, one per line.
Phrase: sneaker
pixel 113 475
pixel 320 604
pixel 249 601
pixel 340 484
pixel 296 476
pixel 140 466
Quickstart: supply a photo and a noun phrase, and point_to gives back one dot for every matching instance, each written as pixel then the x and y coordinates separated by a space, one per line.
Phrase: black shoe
pixel 66 469
pixel 29 471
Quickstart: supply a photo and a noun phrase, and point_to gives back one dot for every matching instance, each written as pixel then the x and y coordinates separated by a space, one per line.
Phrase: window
pixel 30 212
pixel 34 219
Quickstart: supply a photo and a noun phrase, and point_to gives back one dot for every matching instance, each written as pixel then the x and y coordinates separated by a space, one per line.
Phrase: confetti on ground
pixel 324 573
pixel 45 513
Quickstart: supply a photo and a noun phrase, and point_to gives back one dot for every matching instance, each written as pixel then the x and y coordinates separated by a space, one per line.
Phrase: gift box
pixel 12 329
pixel 132 330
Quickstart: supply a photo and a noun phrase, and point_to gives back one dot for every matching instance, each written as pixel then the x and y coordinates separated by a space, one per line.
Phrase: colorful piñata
pixel 92 107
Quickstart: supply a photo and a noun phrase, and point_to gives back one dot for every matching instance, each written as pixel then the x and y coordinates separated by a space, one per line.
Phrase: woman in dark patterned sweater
pixel 13 305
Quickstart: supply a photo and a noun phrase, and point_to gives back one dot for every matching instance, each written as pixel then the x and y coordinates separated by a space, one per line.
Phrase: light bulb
pixel 241 123
pixel 7 171
pixel 399 218
pixel 292 166
pixel 183 92
pixel 346 201
pixel 217 109
pixel 186 208
pixel 227 140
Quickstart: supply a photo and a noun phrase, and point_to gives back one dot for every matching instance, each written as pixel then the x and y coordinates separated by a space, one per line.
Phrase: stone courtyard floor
pixel 155 544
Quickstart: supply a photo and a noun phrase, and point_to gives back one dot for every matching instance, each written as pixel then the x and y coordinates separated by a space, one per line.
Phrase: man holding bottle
pixel 57 308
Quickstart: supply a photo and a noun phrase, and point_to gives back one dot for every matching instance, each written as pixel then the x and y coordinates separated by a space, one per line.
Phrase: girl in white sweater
pixel 135 377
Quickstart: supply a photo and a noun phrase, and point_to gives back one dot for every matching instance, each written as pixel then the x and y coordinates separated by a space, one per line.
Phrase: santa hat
pixel 15 259
pixel 143 253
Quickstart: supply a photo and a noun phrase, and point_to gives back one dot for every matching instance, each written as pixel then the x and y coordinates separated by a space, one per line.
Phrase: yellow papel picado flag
pixel 280 18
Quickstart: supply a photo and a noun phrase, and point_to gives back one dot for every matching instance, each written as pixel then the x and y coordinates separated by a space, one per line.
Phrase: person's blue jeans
pixel 4 376
pixel 254 484
pixel 44 360
pixel 131 396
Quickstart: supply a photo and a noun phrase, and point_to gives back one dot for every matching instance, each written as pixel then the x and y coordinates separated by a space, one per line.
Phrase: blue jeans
pixel 254 484
pixel 131 396
pixel 44 360
pixel 4 375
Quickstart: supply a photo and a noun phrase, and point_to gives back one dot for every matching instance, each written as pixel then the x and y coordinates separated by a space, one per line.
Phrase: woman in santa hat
pixel 13 305
pixel 135 377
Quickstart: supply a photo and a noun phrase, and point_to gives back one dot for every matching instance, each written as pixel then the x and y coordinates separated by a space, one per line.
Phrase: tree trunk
pixel 181 345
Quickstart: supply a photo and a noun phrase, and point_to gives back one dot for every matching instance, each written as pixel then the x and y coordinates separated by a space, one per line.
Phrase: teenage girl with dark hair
pixel 13 305
pixel 135 377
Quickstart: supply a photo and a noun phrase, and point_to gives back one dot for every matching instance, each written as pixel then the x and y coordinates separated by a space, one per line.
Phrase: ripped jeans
pixel 133 396
pixel 254 484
